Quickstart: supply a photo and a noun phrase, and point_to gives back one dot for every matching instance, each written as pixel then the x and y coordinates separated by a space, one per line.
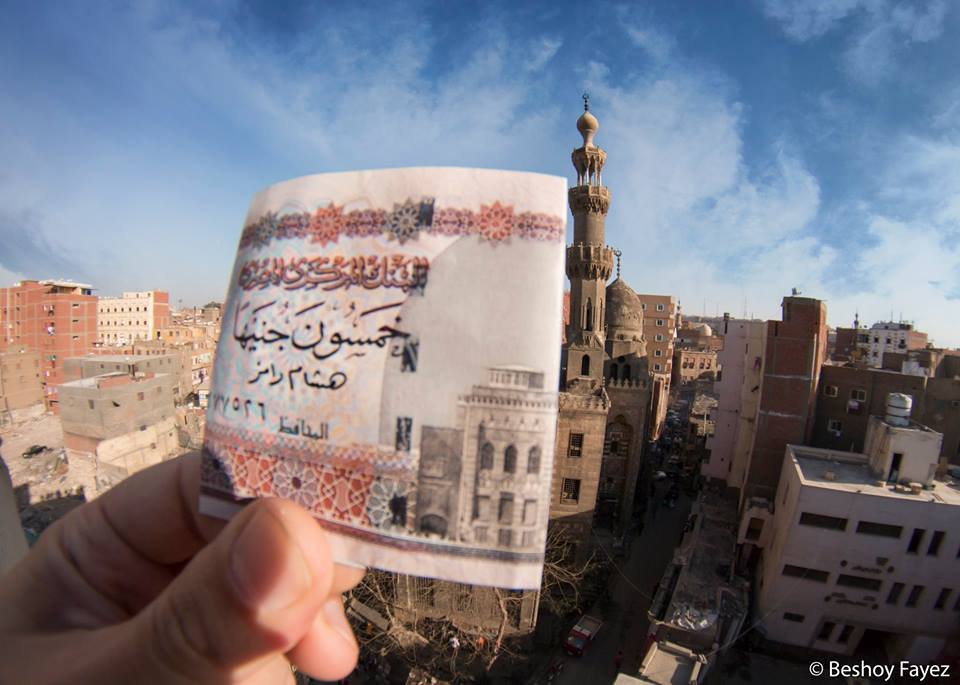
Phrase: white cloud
pixel 882 30
pixel 806 19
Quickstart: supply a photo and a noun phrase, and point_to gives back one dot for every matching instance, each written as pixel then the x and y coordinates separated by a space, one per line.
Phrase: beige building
pixel 127 422
pixel 132 316
pixel 659 331
pixel 21 385
pixel 690 365
pixel 738 400
pixel 860 552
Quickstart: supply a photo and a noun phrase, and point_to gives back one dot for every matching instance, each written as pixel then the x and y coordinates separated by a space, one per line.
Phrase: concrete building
pixel 56 318
pixel 132 316
pixel 891 336
pixel 849 395
pixel 133 366
pixel 126 421
pixel 794 351
pixel 858 552
pixel 691 365
pixel 21 385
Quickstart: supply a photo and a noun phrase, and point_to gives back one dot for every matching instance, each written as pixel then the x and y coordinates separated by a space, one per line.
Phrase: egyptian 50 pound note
pixel 389 358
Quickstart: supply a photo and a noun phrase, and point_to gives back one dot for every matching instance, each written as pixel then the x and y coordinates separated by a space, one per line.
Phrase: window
pixel 895 593
pixel 90 404
pixel 486 457
pixel 656 367
pixel 533 460
pixel 935 542
pixel 835 426
pixel 570 494
pixel 658 352
pixel 658 337
pixel 530 512
pixel 510 460
pixel 660 322
pixel 575 448
pixel 942 598
pixel 505 513
pixel 140 396
pixel 529 538
pixel 859 582
pixel 830 390
pixel 754 528
pixel 585 366
pixel 481 508
pixel 660 307
pixel 884 530
pixel 480 534
pixel 821 521
pixel 858 395
pixel 806 573
pixel 845 634
pixel 826 630
pixel 914 596
pixel 915 540
pixel 504 537
pixel 796 618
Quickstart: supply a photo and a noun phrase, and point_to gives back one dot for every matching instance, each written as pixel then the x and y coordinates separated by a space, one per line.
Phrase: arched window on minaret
pixel 588 323
pixel 585 365
pixel 614 370
pixel 625 373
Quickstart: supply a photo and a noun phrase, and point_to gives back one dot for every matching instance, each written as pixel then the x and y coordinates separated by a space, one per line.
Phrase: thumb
pixel 244 600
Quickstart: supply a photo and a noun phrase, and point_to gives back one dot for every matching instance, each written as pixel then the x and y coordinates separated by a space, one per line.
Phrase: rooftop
pixel 114 378
pixel 850 472
pixel 698 586
pixel 124 358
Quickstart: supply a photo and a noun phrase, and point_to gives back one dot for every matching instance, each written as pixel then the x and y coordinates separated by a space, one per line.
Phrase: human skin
pixel 137 587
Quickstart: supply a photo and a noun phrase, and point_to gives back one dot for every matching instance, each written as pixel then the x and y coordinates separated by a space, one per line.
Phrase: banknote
pixel 389 359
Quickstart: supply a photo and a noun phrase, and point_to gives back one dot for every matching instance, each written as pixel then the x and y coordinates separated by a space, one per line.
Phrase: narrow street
pixel 625 623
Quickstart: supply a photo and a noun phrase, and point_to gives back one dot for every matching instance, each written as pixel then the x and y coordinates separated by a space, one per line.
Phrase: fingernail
pixel 337 619
pixel 268 568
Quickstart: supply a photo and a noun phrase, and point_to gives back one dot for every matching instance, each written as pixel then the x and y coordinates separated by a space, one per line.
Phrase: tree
pixel 396 616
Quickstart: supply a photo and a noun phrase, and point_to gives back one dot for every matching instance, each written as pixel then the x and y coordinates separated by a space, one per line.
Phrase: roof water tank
pixel 898 409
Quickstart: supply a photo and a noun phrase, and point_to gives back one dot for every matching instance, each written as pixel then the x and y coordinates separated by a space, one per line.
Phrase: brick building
pixel 849 395
pixel 57 319
pixel 795 348
pixel 21 389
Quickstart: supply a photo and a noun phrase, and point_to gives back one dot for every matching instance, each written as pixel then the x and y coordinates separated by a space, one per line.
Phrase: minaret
pixel 589 260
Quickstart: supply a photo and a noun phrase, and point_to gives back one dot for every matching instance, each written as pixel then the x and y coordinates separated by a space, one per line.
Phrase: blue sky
pixel 752 146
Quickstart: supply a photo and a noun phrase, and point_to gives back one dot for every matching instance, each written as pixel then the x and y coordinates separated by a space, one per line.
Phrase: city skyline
pixel 752 148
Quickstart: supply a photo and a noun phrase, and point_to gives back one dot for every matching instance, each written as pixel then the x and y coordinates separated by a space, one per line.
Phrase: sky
pixel 753 147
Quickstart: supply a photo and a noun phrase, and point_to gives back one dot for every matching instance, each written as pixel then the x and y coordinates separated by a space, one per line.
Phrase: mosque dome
pixel 704 329
pixel 624 313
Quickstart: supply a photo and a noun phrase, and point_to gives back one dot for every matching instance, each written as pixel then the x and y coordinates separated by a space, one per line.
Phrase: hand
pixel 136 587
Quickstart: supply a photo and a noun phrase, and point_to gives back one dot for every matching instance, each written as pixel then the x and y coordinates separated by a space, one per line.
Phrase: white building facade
pixel 861 552
pixel 132 317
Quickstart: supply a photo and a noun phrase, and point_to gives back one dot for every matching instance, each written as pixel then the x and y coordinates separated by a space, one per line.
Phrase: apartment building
pixel 859 552
pixel 133 316
pixel 21 388
pixel 55 318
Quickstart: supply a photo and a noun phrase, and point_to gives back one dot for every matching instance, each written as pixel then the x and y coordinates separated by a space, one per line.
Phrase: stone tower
pixel 589 260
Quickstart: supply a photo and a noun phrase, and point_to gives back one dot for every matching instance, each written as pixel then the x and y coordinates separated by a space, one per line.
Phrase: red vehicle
pixel 581 635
